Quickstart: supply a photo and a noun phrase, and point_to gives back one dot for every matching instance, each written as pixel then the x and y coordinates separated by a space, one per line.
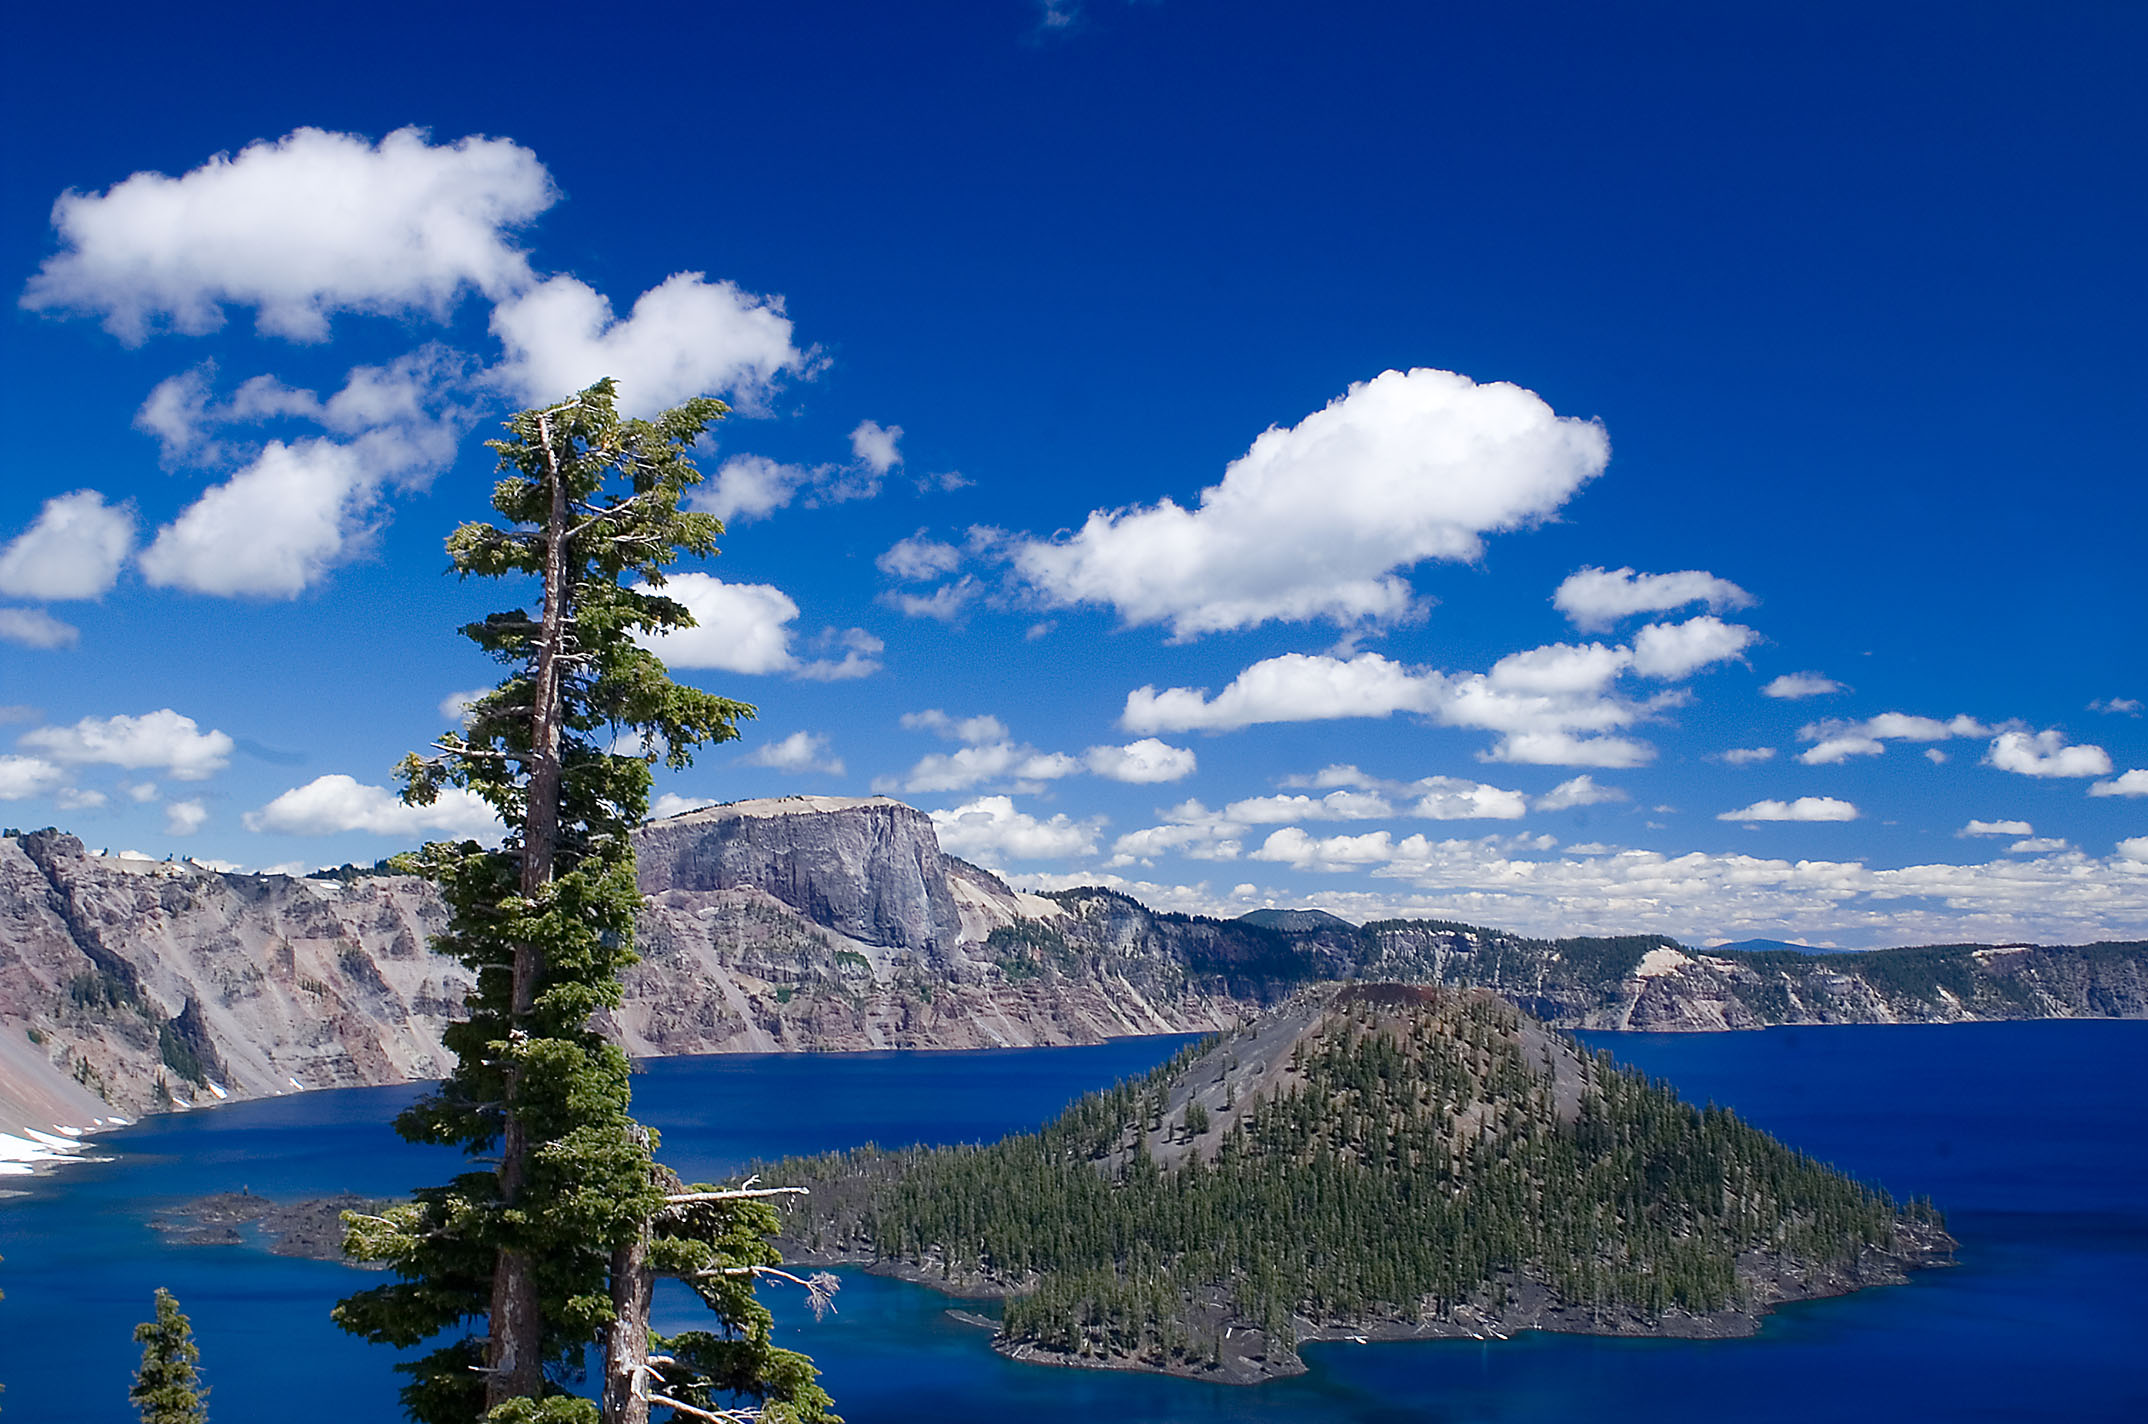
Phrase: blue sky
pixel 1564 469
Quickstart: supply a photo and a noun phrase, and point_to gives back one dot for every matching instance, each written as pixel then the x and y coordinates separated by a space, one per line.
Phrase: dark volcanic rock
pixel 311 1230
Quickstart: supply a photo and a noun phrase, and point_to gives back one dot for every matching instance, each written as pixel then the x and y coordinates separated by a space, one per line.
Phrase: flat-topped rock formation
pixel 870 869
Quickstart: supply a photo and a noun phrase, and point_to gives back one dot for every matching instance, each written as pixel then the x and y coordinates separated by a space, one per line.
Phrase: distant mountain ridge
pixel 824 923
pixel 1770 946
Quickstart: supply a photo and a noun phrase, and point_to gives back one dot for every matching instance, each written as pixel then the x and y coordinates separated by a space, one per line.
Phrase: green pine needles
pixel 514 1273
pixel 167 1388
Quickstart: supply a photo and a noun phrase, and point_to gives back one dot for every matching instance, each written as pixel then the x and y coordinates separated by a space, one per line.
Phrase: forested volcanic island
pixel 1376 1163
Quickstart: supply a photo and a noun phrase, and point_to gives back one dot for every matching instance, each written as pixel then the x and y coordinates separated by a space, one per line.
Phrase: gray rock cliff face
pixel 144 983
pixel 870 870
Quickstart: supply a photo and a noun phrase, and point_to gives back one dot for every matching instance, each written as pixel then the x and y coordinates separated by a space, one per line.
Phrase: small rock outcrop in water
pixel 1383 1162
pixel 818 923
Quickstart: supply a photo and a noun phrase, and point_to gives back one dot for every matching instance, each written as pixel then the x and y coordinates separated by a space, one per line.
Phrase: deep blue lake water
pixel 2033 1137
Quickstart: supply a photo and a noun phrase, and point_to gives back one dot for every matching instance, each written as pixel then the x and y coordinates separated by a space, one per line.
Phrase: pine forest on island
pixel 1409 1158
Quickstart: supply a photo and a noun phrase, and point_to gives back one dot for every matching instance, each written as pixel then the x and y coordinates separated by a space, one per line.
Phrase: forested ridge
pixel 1429 1159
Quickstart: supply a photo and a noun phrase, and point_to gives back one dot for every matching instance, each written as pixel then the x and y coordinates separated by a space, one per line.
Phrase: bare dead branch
pixel 725 1416
pixel 820 1287
pixel 736 1194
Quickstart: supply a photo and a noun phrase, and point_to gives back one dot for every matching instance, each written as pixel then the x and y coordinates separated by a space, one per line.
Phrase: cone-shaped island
pixel 1378 1162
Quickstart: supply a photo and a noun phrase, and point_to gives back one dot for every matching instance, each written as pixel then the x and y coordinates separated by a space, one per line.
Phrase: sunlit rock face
pixel 868 869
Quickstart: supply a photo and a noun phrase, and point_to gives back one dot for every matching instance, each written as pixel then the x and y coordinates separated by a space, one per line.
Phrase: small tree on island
pixel 167 1387
pixel 556 1248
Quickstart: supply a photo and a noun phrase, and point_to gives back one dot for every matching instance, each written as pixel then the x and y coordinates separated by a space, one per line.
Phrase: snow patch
pixel 20 1156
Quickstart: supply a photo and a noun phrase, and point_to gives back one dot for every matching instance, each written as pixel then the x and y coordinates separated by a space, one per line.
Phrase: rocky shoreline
pixel 1249 1357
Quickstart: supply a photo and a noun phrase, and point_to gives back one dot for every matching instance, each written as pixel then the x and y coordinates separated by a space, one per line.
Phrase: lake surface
pixel 2033 1137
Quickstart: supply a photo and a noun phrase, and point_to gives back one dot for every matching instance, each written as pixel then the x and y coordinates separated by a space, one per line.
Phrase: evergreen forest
pixel 1406 1156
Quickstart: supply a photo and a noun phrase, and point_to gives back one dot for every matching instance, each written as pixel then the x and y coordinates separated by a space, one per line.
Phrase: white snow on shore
pixel 20 1156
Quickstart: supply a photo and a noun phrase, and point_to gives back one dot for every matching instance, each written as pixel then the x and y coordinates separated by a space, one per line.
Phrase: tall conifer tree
pixel 167 1388
pixel 554 1248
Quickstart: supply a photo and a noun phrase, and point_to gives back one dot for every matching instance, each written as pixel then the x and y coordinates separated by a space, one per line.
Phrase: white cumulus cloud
pixel 329 805
pixel 991 832
pixel 35 628
pixel 945 604
pixel 1833 751
pixel 800 751
pixel 746 627
pixel 1548 705
pixel 1794 685
pixel 873 445
pixel 1836 741
pixel 1317 521
pixel 1281 810
pixel 1141 763
pixel 272 530
pixel 990 756
pixel 1006 763
pixel 1455 798
pixel 1671 651
pixel 73 550
pixel 1595 599
pixel 1805 808
pixel 749 487
pixel 299 229
pixel 1583 790
pixel 981 728
pixel 686 337
pixel 298 508
pixel 1745 756
pixel 2046 754
pixel 919 558
pixel 1295 687
pixel 183 818
pixel 22 777
pixel 163 739
pixel 1997 828
pixel 2131 783
pixel 1562 748
pixel 1302 851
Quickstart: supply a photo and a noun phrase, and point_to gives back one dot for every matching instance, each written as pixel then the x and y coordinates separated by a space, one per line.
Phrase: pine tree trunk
pixel 514 1352
pixel 626 1342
